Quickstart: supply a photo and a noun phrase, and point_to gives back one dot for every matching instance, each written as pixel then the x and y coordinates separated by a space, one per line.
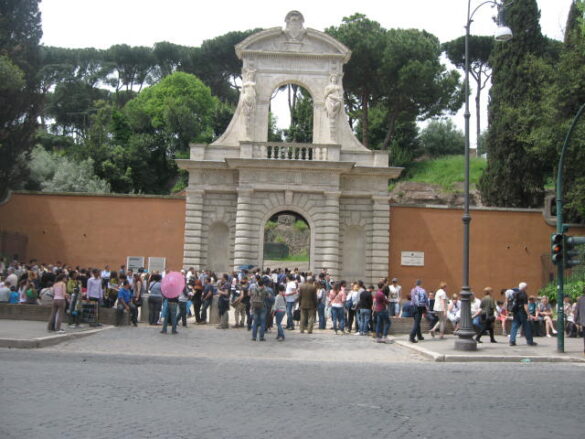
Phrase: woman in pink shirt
pixel 58 310
pixel 337 302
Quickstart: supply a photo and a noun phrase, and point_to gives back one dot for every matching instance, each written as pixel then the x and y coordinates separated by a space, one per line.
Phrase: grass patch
pixel 446 171
pixel 299 257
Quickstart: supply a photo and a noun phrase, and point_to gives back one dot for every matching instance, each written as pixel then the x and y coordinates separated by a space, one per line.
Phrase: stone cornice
pixel 297 165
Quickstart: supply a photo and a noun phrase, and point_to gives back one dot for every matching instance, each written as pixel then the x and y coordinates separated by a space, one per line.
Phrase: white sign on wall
pixel 413 259
pixel 134 262
pixel 157 264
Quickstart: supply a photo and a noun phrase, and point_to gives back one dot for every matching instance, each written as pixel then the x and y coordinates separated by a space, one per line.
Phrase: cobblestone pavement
pixel 207 383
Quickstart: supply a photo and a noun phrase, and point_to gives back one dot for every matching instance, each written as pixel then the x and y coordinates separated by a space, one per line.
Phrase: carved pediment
pixel 293 38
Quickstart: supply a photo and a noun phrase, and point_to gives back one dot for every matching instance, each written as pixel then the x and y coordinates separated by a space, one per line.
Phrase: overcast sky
pixel 84 23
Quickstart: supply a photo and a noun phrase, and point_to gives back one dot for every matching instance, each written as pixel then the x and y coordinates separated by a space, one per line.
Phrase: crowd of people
pixel 262 299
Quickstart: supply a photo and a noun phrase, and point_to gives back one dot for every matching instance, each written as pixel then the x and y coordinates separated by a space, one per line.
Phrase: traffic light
pixel 557 253
pixel 571 252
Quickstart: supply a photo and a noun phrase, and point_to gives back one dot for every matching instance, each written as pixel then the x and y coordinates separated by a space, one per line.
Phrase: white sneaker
pixel 60 331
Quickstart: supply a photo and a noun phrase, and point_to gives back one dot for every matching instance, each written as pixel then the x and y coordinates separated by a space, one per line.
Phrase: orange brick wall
pixel 90 230
pixel 506 247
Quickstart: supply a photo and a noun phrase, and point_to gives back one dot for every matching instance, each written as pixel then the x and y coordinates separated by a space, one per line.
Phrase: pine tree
pixel 20 34
pixel 515 174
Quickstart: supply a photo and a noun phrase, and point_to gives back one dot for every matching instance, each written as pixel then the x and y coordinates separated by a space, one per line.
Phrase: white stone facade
pixel 238 182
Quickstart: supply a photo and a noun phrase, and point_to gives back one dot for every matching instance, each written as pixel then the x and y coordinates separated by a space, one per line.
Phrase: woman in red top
pixel 382 318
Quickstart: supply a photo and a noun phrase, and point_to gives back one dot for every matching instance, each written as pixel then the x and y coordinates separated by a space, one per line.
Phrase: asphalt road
pixel 76 391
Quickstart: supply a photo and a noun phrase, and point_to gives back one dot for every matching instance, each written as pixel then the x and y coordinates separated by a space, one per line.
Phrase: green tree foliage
pixel 180 108
pixel 441 137
pixel 362 78
pixel 398 70
pixel 300 105
pixel 515 173
pixel 20 33
pixel 569 92
pixel 480 49
pixel 52 172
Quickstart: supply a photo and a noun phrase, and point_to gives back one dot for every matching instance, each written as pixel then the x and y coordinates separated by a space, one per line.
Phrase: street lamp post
pixel 465 341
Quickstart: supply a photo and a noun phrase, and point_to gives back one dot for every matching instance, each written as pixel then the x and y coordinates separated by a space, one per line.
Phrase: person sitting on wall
pixel 125 304
pixel 454 312
pixel 14 296
pixel 4 293
pixel 545 314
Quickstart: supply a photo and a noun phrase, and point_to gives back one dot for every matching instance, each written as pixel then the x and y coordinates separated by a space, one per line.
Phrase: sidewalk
pixel 34 334
pixel 546 350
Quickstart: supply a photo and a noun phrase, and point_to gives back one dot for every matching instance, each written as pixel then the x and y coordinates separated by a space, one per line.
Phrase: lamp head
pixel 503 33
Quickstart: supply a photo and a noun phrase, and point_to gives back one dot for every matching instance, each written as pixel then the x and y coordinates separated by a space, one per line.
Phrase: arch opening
pixel 287 241
pixel 291 114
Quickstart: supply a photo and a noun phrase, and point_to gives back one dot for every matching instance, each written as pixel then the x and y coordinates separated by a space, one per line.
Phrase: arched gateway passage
pixel 245 178
pixel 287 241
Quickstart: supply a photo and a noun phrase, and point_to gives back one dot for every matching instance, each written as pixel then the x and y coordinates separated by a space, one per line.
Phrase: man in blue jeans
pixel 520 311
pixel 420 302
pixel 259 296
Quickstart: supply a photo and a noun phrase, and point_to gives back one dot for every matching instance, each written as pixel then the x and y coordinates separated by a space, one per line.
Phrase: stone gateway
pixel 240 181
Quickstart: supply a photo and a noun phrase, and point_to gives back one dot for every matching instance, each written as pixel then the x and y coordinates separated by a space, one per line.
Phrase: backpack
pixel 259 298
pixel 513 301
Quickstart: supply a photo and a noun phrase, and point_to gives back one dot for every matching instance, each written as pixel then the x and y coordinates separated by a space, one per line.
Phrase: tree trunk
pixel 365 124
pixel 477 116
pixel 390 132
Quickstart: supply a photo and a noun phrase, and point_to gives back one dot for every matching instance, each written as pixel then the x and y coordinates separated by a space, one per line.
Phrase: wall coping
pixel 92 194
pixel 447 207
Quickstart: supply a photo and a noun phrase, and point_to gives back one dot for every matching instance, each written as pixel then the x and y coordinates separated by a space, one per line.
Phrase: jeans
pixel 393 309
pixel 418 312
pixel 183 306
pixel 197 308
pixel 172 314
pixel 338 317
pixel 259 320
pixel 133 311
pixel 204 305
pixel 154 305
pixel 290 324
pixel 382 324
pixel 351 315
pixel 364 320
pixel 321 312
pixel 279 318
pixel 521 319
pixel 57 314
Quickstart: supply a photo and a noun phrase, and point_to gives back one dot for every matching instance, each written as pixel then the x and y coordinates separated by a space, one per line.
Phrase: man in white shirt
pixel 440 309
pixel 290 295
pixel 11 279
pixel 394 292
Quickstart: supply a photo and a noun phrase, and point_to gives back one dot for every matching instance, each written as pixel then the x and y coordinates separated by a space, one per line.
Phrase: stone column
pixel 192 249
pixel 328 235
pixel 246 242
pixel 380 245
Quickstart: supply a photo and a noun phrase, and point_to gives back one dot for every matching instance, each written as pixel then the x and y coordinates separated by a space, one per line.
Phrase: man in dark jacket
pixel 308 305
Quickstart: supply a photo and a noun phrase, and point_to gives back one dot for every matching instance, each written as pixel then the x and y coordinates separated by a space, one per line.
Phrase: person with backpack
pixel 518 305
pixel 258 300
pixel 420 301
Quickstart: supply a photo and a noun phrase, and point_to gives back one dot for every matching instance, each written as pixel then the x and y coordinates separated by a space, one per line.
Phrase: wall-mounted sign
pixel 134 262
pixel 157 264
pixel 413 259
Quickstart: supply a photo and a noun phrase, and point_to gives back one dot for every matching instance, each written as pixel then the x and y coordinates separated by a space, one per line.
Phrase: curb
pixel 50 340
pixel 449 358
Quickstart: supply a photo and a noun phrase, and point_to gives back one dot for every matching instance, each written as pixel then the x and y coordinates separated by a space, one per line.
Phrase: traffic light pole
pixel 561 229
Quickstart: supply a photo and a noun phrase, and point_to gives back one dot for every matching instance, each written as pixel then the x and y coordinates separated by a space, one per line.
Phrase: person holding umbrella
pixel 172 286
